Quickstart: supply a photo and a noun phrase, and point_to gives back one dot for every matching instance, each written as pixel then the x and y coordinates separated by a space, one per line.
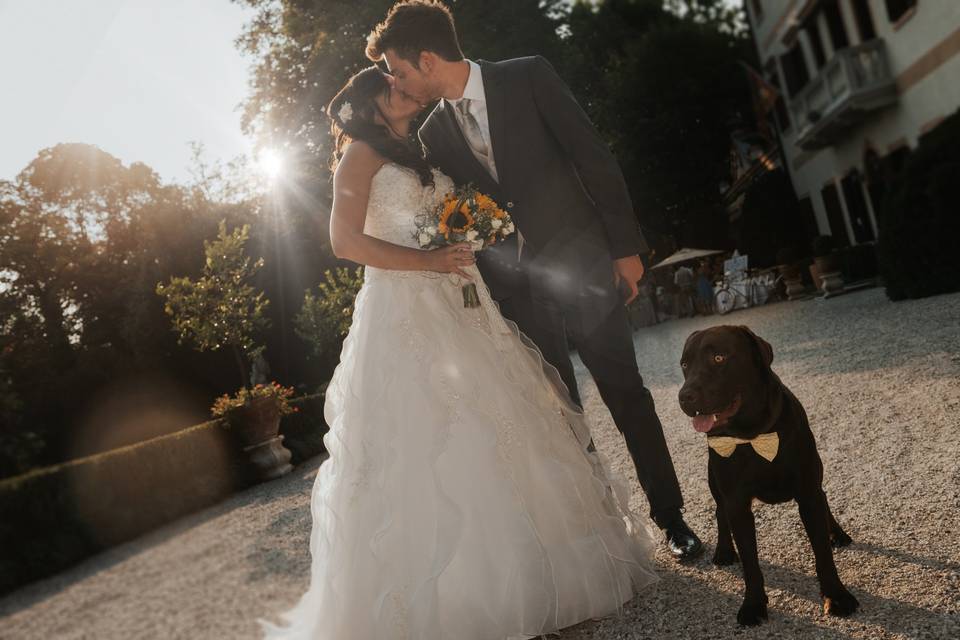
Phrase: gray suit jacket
pixel 558 179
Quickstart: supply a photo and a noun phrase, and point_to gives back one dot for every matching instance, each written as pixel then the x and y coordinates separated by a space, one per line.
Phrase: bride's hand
pixel 450 259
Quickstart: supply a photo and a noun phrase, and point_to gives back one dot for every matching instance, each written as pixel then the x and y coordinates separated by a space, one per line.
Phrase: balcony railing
pixel 854 82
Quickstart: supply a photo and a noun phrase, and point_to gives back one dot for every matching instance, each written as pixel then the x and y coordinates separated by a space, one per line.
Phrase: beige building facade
pixel 861 81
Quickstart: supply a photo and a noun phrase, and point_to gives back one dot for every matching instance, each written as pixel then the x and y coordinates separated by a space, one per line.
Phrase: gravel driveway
pixel 880 382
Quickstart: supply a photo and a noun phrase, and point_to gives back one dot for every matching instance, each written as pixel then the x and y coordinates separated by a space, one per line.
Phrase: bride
pixel 460 500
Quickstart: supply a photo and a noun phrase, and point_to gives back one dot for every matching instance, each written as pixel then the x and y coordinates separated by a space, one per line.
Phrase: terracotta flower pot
pixel 256 426
pixel 828 263
pixel 815 275
pixel 793 279
pixel 255 422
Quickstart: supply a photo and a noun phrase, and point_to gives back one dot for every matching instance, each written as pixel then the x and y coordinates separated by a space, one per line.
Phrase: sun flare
pixel 271 163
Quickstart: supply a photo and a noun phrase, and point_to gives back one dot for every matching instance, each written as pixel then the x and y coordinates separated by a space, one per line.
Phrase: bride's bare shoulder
pixel 360 161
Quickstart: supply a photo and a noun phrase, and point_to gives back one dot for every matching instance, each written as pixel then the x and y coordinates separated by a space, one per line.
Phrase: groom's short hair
pixel 413 26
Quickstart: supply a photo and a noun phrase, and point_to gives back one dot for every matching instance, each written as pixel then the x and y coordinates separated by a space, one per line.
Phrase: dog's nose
pixel 688 397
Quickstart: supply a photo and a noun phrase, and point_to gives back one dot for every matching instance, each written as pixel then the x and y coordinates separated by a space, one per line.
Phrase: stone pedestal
pixel 795 288
pixel 270 458
pixel 832 284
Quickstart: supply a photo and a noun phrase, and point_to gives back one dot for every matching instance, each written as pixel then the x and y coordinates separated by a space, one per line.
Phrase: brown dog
pixel 761 447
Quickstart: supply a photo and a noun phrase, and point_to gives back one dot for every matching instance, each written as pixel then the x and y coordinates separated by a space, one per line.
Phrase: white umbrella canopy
pixel 686 254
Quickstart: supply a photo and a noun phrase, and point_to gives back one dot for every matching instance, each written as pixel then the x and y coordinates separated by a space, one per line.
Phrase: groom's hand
pixel 630 271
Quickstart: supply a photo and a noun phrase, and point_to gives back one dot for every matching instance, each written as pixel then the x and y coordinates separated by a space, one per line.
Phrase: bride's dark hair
pixel 351 114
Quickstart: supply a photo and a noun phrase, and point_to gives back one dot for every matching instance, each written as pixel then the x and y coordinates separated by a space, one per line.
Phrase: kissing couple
pixel 463 497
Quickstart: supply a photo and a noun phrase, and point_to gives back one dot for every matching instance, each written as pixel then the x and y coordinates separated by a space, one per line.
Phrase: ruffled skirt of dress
pixel 459 500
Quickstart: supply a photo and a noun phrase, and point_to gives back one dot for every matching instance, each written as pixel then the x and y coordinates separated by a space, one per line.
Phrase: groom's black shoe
pixel 684 543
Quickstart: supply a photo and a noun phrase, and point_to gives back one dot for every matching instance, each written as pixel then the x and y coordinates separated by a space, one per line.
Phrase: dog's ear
pixel 763 347
pixel 689 338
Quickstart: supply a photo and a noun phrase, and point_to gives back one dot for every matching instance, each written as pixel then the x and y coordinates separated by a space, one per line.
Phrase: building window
pixel 816 43
pixel 808 219
pixel 857 208
pixel 757 6
pixel 838 228
pixel 864 18
pixel 794 70
pixel 896 9
pixel 838 32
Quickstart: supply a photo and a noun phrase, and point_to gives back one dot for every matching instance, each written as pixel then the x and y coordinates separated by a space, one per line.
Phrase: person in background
pixel 704 288
pixel 683 279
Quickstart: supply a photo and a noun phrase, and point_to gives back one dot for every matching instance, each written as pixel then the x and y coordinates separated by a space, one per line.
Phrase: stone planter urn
pixel 830 276
pixel 815 275
pixel 793 280
pixel 256 426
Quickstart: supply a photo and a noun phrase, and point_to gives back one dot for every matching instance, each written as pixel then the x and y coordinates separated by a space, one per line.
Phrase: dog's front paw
pixel 840 604
pixel 839 539
pixel 751 614
pixel 724 556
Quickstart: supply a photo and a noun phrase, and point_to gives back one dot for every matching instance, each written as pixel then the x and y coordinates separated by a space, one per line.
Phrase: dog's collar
pixel 766 445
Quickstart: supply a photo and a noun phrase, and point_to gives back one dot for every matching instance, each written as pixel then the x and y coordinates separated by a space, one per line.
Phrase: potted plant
pixel 222 310
pixel 253 415
pixel 825 255
pixel 787 265
pixel 827 263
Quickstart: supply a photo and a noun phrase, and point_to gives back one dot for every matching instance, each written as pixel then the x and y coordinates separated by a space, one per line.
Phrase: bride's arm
pixel 351 192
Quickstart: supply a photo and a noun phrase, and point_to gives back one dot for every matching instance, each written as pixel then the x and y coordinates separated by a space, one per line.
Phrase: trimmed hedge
pixel 54 517
pixel 920 225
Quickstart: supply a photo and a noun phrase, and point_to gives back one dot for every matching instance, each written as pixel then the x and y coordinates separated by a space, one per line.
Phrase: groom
pixel 514 129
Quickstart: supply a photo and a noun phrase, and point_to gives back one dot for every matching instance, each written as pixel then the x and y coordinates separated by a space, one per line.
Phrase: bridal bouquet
pixel 466 215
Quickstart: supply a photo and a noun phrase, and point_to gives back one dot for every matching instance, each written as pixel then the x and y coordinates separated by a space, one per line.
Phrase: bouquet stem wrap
pixel 471 299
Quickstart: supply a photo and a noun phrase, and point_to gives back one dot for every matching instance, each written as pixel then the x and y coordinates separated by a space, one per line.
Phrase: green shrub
pixel 920 224
pixel 324 319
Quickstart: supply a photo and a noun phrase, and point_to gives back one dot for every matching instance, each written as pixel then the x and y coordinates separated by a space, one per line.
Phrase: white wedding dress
pixel 459 500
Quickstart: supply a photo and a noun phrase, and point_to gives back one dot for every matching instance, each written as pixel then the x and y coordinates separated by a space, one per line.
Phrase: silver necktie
pixel 471 128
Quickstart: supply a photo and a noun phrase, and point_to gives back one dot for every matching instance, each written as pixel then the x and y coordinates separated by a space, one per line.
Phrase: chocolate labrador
pixel 761 447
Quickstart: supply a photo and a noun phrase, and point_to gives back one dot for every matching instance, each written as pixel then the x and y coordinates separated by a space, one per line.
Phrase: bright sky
pixel 137 78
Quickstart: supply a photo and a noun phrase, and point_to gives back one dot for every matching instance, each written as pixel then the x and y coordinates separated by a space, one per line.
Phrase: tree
pixel 919 224
pixel 663 89
pixel 220 309
pixel 325 318
pixel 304 52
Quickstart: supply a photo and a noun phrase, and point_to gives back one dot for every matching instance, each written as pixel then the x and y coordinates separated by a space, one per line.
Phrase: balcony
pixel 856 81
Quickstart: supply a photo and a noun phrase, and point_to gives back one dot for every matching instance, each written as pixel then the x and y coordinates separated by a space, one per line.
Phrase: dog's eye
pixel 719 358
pixel 683 365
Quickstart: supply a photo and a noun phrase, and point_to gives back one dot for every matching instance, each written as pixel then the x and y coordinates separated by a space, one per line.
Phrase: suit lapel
pixel 496 115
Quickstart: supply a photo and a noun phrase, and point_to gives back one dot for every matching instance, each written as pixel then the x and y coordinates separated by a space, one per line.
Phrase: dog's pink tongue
pixel 703 422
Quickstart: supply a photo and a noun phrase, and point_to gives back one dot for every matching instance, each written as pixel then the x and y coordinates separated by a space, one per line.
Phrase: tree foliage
pixel 325 317
pixel 220 308
pixel 84 239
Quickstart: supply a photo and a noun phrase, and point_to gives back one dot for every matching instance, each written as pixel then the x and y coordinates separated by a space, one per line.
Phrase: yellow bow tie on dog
pixel 766 445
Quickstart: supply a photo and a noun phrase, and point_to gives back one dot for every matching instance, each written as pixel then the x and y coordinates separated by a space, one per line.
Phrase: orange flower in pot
pixel 254 417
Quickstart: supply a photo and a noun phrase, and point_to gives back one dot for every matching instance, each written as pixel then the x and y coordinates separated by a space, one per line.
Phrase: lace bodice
pixel 396 198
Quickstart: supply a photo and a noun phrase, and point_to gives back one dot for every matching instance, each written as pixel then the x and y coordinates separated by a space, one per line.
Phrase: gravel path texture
pixel 880 382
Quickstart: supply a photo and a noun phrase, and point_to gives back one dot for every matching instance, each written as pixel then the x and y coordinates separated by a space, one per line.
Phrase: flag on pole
pixel 765 96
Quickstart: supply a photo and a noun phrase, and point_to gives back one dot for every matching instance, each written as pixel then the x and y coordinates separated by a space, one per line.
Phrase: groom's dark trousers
pixel 566 194
pixel 595 319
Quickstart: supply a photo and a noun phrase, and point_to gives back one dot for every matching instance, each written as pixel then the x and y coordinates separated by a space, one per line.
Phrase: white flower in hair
pixel 345 113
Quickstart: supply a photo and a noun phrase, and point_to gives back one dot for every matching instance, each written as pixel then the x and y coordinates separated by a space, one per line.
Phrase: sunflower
pixel 456 219
pixel 449 205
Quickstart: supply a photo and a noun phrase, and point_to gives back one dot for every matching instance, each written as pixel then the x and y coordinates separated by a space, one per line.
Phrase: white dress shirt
pixel 478 108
